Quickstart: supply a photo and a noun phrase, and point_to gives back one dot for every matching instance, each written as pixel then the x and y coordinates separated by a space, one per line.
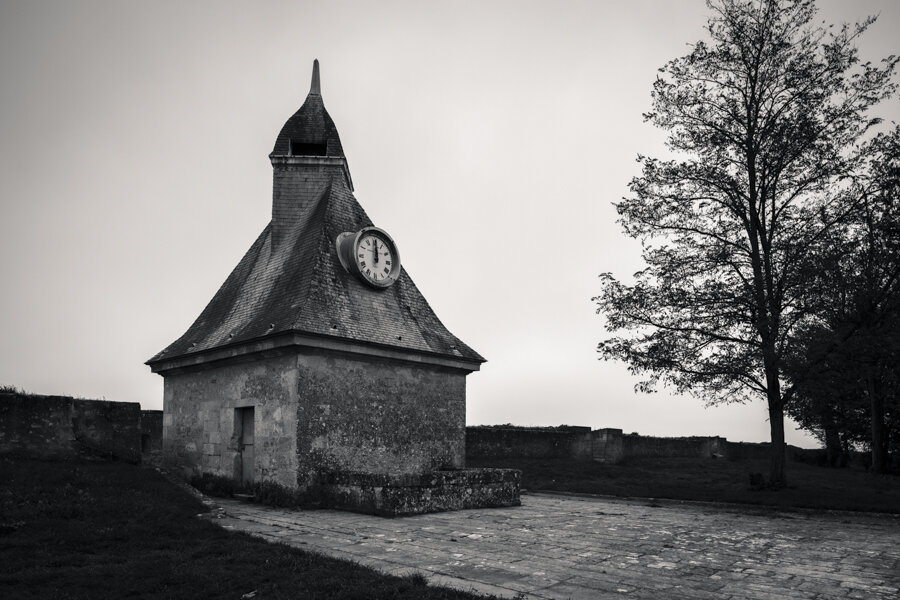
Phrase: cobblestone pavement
pixel 575 547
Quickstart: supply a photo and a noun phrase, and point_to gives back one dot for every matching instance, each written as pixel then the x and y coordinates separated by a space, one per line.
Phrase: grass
pixel 73 530
pixel 714 480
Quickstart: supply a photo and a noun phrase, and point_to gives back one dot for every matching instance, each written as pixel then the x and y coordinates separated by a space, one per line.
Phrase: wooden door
pixel 246 445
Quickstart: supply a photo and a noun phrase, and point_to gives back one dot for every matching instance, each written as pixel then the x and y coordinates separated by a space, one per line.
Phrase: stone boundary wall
pixel 610 445
pixel 151 434
pixel 635 445
pixel 607 446
pixel 60 427
pixel 531 442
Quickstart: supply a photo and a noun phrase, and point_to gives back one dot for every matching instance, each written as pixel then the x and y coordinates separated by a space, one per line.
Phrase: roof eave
pixel 289 339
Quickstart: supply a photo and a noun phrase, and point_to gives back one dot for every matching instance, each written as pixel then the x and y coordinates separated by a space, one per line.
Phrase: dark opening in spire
pixel 299 148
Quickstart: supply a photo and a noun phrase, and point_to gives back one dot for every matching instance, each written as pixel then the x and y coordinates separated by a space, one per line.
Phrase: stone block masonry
pixel 634 445
pixel 151 433
pixel 607 446
pixel 60 427
pixel 202 426
pixel 315 413
pixel 438 491
pixel 379 417
pixel 531 442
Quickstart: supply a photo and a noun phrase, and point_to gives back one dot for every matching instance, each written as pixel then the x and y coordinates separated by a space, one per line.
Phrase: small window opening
pixel 305 149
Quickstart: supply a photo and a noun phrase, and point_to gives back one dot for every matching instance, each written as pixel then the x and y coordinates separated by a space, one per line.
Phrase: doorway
pixel 244 421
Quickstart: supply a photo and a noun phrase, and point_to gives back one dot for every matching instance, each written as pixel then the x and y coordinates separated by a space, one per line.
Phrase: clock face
pixel 374 258
pixel 371 254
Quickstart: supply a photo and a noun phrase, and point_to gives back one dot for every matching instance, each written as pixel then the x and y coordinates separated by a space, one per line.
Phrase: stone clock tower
pixel 318 365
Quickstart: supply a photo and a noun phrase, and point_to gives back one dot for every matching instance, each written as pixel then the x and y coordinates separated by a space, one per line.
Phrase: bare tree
pixel 766 122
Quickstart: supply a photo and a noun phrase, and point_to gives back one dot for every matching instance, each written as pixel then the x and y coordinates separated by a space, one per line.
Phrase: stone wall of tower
pixel 317 413
pixel 201 422
pixel 375 416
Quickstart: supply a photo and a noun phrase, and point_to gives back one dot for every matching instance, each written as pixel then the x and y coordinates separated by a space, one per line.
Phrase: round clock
pixel 371 254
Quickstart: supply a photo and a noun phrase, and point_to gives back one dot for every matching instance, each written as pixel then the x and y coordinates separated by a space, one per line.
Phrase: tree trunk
pixel 833 448
pixel 876 402
pixel 777 478
pixel 845 450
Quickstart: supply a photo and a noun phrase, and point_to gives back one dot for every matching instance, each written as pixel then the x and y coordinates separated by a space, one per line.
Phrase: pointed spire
pixel 314 89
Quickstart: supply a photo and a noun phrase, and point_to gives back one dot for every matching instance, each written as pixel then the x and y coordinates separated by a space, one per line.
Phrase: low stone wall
pixel 531 442
pixel 393 496
pixel 59 427
pixel 634 445
pixel 151 434
pixel 610 445
pixel 607 446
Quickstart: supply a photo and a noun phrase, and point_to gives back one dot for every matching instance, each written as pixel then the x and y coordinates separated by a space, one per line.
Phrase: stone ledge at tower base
pixel 438 491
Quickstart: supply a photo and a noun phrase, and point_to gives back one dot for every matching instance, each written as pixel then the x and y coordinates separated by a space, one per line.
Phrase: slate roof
pixel 300 286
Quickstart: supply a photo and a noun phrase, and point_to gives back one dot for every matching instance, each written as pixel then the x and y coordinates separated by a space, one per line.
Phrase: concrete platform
pixel 581 547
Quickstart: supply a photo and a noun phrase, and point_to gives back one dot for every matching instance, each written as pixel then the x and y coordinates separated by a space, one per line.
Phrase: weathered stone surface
pixel 634 445
pixel 64 427
pixel 317 413
pixel 151 433
pixel 36 425
pixel 111 428
pixel 364 415
pixel 538 442
pixel 199 430
pixel 611 445
pixel 607 445
pixel 568 547
pixel 438 491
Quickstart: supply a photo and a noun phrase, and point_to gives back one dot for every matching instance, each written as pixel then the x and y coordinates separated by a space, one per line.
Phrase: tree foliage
pixel 844 366
pixel 766 122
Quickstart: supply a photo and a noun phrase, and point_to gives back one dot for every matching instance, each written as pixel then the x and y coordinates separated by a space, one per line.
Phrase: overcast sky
pixel 488 138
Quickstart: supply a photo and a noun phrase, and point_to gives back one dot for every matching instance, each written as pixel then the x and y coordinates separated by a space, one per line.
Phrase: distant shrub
pixel 275 494
pixel 417 578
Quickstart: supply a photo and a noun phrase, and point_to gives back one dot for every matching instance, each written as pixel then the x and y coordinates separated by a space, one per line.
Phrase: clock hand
pixel 376 253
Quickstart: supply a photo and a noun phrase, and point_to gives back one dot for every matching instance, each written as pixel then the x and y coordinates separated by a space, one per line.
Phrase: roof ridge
pixel 313 230
pixel 429 323
pixel 227 295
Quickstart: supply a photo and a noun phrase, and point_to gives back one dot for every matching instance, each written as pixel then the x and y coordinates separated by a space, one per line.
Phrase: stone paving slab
pixel 582 547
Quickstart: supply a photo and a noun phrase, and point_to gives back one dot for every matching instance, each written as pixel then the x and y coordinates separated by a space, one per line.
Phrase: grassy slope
pixel 710 480
pixel 110 530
